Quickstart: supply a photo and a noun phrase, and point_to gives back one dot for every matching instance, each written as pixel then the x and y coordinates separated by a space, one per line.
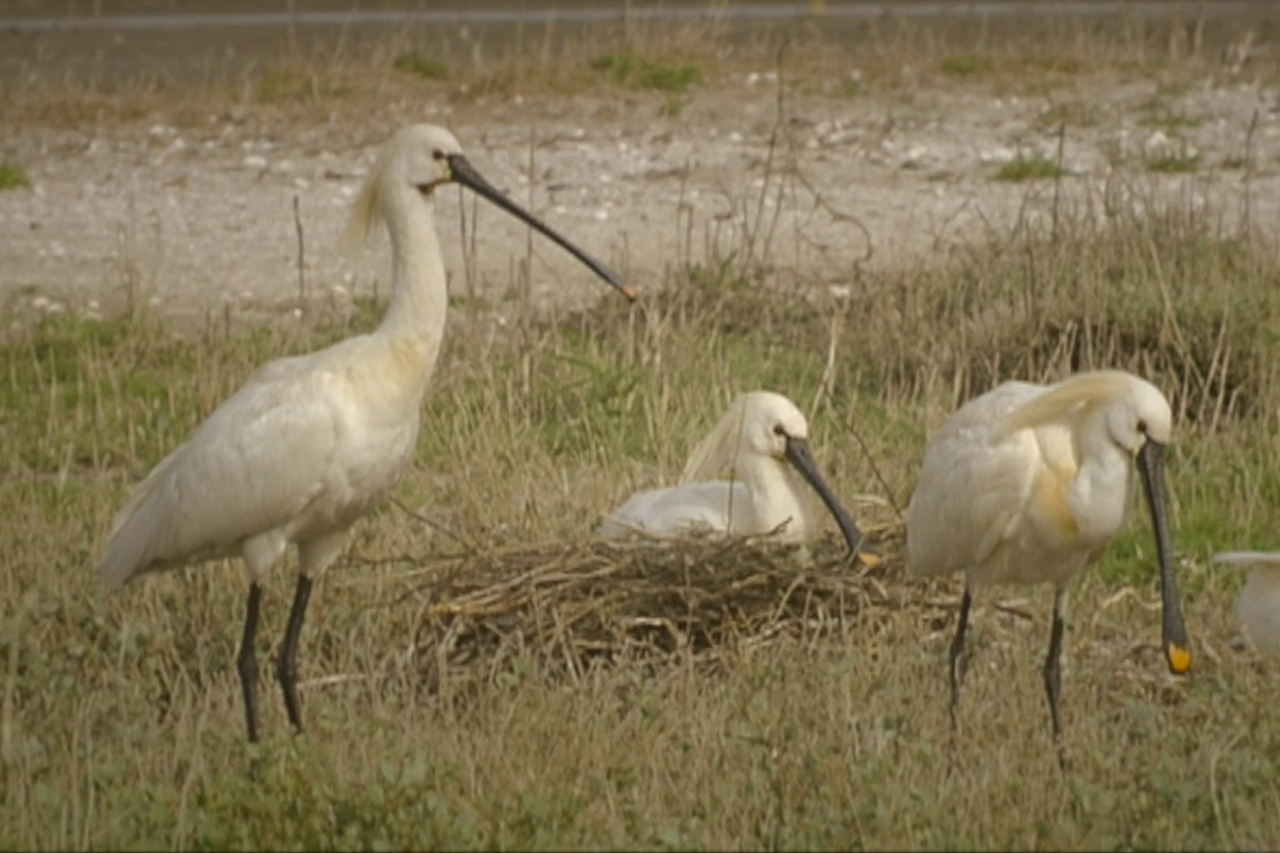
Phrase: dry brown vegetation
pixel 478 673
pixel 370 72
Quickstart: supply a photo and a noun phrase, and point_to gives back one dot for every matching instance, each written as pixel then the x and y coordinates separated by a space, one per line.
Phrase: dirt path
pixel 202 218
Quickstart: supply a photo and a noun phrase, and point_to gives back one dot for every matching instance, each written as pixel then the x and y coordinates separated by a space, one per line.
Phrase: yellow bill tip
pixel 1179 658
pixel 628 291
pixel 869 560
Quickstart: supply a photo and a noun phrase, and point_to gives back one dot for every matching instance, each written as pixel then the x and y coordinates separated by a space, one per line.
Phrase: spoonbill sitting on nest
pixel 764 440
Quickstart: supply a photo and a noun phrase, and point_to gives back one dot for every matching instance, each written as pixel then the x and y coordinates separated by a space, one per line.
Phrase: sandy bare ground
pixel 201 218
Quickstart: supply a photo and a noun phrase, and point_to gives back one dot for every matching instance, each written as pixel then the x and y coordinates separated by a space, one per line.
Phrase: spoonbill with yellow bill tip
pixel 1029 483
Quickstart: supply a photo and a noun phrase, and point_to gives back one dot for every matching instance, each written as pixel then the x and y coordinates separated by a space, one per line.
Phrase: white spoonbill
pixel 311 443
pixel 760 431
pixel 1258 608
pixel 1028 484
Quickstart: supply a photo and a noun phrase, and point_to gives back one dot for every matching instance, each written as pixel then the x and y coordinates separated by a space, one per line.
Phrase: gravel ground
pixel 201 217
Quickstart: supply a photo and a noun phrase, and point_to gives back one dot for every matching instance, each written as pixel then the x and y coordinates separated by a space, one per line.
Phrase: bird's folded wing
pixel 256 462
pixel 682 508
pixel 970 494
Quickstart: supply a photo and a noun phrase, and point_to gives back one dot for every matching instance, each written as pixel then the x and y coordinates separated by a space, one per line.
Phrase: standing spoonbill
pixel 1258 609
pixel 760 431
pixel 311 443
pixel 1029 483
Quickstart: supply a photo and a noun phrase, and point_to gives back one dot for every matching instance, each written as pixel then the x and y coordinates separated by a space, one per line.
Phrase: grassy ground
pixel 320 74
pixel 122 726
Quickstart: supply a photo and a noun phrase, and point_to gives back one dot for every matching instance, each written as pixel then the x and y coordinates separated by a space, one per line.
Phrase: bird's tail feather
pixel 133 530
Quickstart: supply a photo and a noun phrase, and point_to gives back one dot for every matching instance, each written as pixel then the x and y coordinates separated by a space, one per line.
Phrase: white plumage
pixel 311 443
pixel 303 449
pixel 1258 608
pixel 1029 483
pixel 763 441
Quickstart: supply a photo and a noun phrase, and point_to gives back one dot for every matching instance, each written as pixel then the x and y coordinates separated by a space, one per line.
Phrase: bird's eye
pixel 778 430
pixel 437 154
pixel 1142 427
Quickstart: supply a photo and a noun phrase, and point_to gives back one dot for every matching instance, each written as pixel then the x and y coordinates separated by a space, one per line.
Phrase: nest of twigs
pixel 567 608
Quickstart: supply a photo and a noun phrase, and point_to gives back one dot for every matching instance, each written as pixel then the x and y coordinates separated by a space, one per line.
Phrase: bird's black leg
pixel 1053 670
pixel 957 648
pixel 247 664
pixel 286 666
pixel 956 671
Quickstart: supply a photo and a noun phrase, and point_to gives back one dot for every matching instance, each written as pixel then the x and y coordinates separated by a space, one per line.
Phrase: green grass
pixel 850 89
pixel 626 68
pixel 13 176
pixel 121 723
pixel 1029 168
pixel 966 64
pixel 1172 163
pixel 423 66
pixel 496 62
pixel 297 84
pixel 1056 63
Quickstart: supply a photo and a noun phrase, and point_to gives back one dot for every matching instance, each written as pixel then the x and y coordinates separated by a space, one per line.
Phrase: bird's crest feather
pixel 366 211
pixel 720 448
pixel 1082 391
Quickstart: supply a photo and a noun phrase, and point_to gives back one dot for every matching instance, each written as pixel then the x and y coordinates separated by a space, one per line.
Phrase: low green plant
pixel 1029 168
pixel 1172 162
pixel 13 176
pixel 626 68
pixel 965 64
pixel 292 83
pixel 426 67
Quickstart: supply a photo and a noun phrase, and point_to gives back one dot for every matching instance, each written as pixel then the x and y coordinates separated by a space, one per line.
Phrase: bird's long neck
pixel 774 495
pixel 419 293
pixel 1100 495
